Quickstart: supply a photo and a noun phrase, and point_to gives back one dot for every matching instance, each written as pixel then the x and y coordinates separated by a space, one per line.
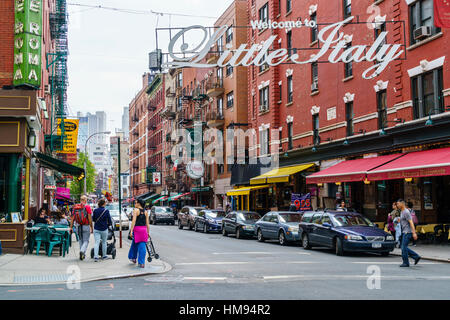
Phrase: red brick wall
pixel 7 42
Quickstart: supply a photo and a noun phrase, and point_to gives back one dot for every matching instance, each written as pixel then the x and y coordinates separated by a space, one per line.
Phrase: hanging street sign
pixel 27 43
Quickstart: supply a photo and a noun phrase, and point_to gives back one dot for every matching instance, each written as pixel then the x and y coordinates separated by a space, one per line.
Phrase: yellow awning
pixel 279 174
pixel 245 191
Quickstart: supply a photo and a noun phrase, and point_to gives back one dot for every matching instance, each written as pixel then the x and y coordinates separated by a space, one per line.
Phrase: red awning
pixel 428 163
pixel 350 171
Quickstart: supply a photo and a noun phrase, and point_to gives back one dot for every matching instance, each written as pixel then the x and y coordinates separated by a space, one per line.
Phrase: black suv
pixel 161 215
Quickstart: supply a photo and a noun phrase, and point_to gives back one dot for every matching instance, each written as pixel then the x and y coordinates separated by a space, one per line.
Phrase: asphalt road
pixel 210 267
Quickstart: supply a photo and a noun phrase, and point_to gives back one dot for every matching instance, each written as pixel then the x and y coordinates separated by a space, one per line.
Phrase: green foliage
pixel 77 187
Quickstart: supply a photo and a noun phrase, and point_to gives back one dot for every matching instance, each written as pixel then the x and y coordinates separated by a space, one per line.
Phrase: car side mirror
pixel 327 225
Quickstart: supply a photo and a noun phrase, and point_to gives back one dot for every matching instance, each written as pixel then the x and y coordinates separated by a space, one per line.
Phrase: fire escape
pixel 57 67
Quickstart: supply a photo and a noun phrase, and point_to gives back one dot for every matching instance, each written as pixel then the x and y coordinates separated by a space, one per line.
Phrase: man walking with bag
pixel 408 232
pixel 82 216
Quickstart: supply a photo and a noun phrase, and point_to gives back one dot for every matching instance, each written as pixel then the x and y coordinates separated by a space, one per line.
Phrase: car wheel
pixel 260 236
pixel 339 249
pixel 282 238
pixel 238 233
pixel 190 226
pixel 385 254
pixel 180 226
pixel 196 227
pixel 305 242
pixel 224 232
pixel 205 228
pixel 172 223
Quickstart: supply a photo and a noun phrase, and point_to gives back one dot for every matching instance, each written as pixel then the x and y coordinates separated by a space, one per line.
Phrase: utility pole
pixel 120 191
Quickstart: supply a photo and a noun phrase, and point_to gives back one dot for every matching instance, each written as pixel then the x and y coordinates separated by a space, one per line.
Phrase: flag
pixel 442 13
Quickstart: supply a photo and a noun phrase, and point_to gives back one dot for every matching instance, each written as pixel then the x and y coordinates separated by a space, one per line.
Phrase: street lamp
pixel 86 154
pixel 383 132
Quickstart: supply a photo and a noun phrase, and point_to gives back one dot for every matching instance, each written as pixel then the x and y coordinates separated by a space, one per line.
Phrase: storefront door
pixel 388 192
pixel 443 199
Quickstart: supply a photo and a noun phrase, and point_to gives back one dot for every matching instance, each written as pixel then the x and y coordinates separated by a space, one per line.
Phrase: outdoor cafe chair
pixel 40 237
pixel 55 238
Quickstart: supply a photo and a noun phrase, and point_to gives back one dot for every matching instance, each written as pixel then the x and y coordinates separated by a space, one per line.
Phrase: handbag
pixel 129 235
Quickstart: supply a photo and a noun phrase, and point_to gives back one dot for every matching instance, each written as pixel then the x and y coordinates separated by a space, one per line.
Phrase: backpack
pixel 80 214
pixel 414 217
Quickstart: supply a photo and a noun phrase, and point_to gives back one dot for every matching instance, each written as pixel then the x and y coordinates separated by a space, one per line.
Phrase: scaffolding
pixel 57 67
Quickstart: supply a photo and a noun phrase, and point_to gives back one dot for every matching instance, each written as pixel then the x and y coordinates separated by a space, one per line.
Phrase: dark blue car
pixel 343 232
pixel 282 226
pixel 209 220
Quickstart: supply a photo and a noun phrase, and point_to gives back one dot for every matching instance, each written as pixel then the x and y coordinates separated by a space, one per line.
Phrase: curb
pixel 425 258
pixel 167 268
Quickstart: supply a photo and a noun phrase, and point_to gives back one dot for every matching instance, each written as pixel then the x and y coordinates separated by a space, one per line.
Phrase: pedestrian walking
pixel 414 218
pixel 102 220
pixel 140 228
pixel 408 232
pixel 82 216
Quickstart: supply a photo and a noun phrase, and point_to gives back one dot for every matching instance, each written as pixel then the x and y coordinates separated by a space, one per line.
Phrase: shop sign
pixel 195 170
pixel 302 202
pixel 50 187
pixel 156 178
pixel 333 44
pixel 27 43
pixel 71 133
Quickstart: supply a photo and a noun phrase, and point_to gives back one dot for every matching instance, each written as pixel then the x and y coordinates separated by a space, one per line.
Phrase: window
pixel 314 76
pixel 290 89
pixel 382 109
pixel 180 80
pixel 317 218
pixel 264 99
pixel 280 92
pixel 316 136
pixel 347 8
pixel 229 35
pixel 230 99
pixel 421 15
pixel 220 107
pixel 348 67
pixel 220 45
pixel 288 6
pixel 264 141
pixel 267 217
pixel 381 28
pixel 315 30
pixel 290 135
pixel 219 73
pixel 289 41
pixel 427 93
pixel 264 13
pixel 264 66
pixel 349 118
pixel 229 70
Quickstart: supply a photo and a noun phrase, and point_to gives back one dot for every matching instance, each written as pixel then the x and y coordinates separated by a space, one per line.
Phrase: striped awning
pixel 163 198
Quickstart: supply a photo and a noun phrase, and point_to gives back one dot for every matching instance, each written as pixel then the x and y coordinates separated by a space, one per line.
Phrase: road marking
pixel 388 262
pixel 242 262
pixel 205 278
pixel 264 252
pixel 208 263
pixel 354 277
pixel 28 290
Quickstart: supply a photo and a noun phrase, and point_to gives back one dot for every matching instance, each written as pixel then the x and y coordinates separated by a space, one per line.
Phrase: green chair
pixel 40 237
pixel 54 238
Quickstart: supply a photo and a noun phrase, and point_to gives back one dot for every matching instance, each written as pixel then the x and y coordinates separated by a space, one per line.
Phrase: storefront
pixel 371 185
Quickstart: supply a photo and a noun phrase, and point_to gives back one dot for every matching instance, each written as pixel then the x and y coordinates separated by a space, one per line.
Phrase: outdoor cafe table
pixel 58 227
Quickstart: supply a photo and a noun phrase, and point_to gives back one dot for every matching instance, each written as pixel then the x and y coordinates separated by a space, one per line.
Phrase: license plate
pixel 376 245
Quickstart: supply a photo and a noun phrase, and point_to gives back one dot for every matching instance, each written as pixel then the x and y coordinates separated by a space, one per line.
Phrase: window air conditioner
pixel 422 32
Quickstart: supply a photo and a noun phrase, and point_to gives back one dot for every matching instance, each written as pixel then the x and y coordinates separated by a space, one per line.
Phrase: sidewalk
pixel 31 269
pixel 429 252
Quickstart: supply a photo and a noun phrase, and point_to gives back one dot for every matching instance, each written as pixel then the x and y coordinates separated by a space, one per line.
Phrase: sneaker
pixel 416 261
pixel 141 265
pixel 404 265
pixel 105 258
pixel 133 260
pixel 81 255
pixel 96 259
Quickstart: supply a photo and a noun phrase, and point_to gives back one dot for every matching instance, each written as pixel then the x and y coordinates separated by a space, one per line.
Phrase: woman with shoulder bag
pixel 102 220
pixel 140 228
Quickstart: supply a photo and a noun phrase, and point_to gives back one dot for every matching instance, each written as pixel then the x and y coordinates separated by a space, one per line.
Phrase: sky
pixel 108 49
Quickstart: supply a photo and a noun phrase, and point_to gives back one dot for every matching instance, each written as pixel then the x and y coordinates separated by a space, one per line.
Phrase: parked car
pixel 240 223
pixel 186 216
pixel 282 226
pixel 161 215
pixel 209 220
pixel 343 232
pixel 114 213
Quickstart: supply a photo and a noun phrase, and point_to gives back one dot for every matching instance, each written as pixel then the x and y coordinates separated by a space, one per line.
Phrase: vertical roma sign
pixel 27 43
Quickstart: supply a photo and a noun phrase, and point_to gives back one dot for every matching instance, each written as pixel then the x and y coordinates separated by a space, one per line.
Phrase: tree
pixel 77 187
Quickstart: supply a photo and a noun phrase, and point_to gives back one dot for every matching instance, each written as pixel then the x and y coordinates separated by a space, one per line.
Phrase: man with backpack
pixel 82 216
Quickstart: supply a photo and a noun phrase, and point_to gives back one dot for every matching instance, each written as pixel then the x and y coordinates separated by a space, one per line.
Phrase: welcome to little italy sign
pixel 27 43
pixel 334 46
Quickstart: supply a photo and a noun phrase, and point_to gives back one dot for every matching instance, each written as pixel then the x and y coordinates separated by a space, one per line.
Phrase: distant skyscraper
pixel 125 123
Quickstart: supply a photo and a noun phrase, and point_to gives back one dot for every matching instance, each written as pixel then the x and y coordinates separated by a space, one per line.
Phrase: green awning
pixel 59 166
pixel 160 199
pixel 150 197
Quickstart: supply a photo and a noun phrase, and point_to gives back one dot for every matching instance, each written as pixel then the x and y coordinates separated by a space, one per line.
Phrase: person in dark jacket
pixel 102 220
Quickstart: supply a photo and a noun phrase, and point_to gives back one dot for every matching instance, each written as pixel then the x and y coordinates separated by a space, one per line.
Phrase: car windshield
pixel 344 220
pixel 290 217
pixel 215 214
pixel 249 216
pixel 163 210
pixel 112 207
